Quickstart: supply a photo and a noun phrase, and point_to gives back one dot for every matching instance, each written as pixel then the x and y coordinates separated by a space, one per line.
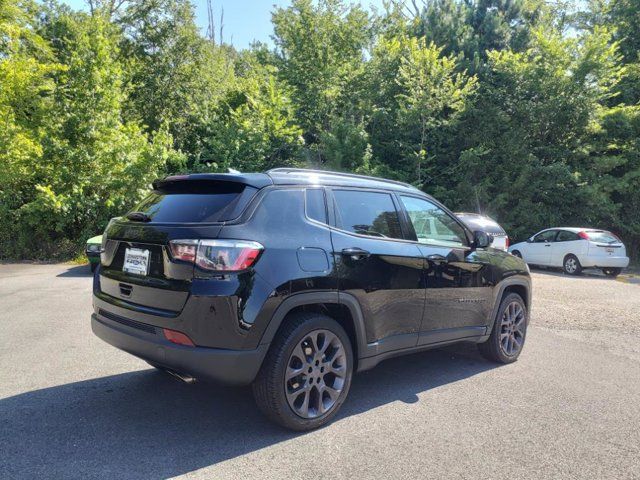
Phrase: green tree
pixel 253 127
pixel 522 144
pixel 345 146
pixel 27 67
pixel 320 54
pixel 432 97
pixel 417 96
pixel 174 76
pixel 93 165
pixel 613 167
pixel 473 28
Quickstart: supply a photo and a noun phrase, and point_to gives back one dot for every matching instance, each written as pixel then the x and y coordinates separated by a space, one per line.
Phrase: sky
pixel 244 20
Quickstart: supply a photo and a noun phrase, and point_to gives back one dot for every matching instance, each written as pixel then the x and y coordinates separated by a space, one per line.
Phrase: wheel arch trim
pixel 315 298
pixel 520 281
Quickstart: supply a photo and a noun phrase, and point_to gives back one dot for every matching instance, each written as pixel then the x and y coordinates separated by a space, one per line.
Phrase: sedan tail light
pixel 217 255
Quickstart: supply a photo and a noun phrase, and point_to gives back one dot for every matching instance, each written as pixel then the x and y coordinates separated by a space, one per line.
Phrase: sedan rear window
pixel 195 202
pixel 602 236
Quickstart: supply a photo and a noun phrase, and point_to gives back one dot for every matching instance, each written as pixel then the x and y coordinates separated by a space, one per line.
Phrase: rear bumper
pixel 232 367
pixel 612 262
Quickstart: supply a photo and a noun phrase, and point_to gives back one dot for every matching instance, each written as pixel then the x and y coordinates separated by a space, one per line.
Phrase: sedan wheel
pixel 572 265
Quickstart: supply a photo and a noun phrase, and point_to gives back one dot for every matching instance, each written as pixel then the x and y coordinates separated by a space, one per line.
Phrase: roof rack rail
pixel 342 174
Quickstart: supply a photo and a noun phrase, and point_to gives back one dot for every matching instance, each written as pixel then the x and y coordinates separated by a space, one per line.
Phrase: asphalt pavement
pixel 72 406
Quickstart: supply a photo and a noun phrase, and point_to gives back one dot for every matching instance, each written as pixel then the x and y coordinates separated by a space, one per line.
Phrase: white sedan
pixel 574 249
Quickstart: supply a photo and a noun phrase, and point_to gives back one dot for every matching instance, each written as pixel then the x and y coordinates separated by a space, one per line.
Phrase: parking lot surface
pixel 72 406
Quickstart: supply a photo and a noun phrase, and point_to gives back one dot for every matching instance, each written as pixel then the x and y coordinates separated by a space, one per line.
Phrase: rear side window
pixel 195 202
pixel 565 236
pixel 315 206
pixel 367 213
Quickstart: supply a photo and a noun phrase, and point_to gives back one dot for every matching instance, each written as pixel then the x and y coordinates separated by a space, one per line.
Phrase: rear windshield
pixel 195 202
pixel 602 236
pixel 478 222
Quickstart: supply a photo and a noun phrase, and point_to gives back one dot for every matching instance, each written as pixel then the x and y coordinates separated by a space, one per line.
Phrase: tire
pixel 612 272
pixel 571 265
pixel 516 253
pixel 496 348
pixel 305 335
pixel 93 267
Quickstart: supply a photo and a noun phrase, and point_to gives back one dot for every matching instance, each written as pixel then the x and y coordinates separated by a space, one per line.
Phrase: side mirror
pixel 481 239
pixel 530 240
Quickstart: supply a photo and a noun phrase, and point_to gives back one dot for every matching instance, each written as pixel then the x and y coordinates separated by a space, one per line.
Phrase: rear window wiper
pixel 138 217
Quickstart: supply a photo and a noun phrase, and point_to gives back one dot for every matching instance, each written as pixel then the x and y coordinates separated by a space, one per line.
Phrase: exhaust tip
pixel 182 377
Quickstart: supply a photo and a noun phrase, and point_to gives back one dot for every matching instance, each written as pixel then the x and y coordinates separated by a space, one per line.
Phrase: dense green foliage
pixel 521 109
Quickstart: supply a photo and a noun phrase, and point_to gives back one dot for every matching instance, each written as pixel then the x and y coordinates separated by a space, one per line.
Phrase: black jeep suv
pixel 294 279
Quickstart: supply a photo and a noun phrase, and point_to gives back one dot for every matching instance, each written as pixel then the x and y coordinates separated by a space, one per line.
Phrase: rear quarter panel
pixel 297 257
pixel 559 250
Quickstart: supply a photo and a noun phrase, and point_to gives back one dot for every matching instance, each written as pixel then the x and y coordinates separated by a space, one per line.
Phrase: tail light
pixel 184 250
pixel 583 235
pixel 506 241
pixel 217 255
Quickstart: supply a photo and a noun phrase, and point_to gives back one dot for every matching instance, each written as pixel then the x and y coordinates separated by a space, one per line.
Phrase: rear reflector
pixel 177 337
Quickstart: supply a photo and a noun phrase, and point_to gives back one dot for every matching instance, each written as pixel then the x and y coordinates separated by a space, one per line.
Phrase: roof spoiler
pixel 256 180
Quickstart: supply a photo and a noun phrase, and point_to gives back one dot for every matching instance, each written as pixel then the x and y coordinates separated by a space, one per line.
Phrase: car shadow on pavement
pixel 585 274
pixel 145 425
pixel 77 271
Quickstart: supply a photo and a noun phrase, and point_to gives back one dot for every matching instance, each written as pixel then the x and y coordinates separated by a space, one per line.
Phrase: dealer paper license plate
pixel 136 261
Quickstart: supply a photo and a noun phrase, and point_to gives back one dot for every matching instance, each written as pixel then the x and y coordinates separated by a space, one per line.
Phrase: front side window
pixel 432 224
pixel 367 213
pixel 544 237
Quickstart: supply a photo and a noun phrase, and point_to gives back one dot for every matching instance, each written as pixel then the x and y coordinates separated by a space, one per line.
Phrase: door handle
pixel 437 258
pixel 355 253
pixel 547 244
